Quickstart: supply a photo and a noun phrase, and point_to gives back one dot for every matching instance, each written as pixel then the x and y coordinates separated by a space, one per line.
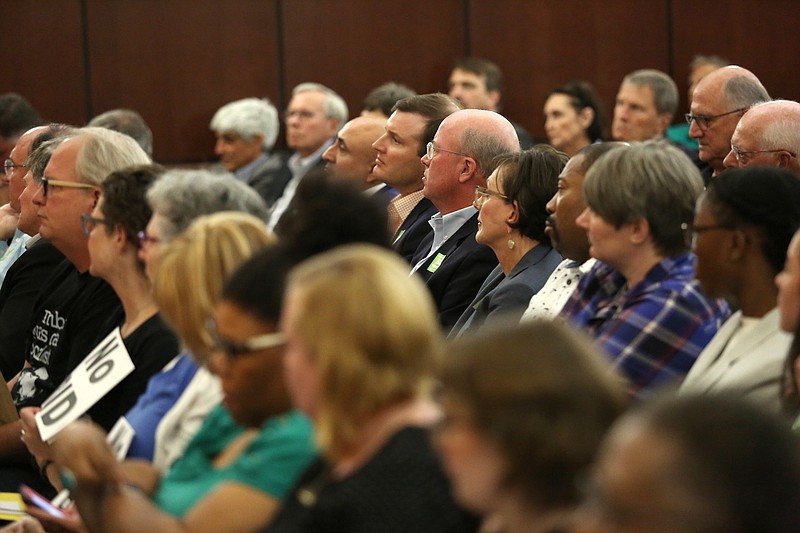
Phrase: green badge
pixel 436 263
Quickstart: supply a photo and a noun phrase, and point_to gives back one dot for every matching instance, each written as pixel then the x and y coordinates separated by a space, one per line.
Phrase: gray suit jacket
pixel 508 296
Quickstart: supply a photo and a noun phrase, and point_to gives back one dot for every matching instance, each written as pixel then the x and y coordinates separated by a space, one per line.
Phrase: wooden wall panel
pixel 541 44
pixel 178 61
pixel 357 45
pixel 762 37
pixel 42 51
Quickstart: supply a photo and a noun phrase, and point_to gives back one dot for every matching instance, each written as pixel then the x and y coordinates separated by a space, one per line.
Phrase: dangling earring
pixel 511 244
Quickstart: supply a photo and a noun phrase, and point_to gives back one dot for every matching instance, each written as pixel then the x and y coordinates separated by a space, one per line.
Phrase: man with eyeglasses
pixel 767 135
pixel 314 115
pixel 460 157
pixel 719 101
pixel 73 307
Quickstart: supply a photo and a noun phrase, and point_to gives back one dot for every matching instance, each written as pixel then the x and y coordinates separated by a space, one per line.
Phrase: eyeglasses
pixel 743 156
pixel 302 115
pixel 144 238
pixel 704 121
pixel 482 193
pixel 88 223
pixel 9 166
pixel 432 150
pixel 235 350
pixel 694 231
pixel 47 183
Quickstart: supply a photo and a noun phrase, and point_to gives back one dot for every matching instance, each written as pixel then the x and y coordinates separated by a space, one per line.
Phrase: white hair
pixel 247 118
pixel 335 106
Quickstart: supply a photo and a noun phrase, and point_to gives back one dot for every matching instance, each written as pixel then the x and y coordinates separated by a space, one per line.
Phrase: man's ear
pixel 469 169
pixel 96 192
pixel 494 98
pixel 664 120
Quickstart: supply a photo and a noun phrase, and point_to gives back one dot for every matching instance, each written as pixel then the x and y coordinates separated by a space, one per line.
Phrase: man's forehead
pixel 308 99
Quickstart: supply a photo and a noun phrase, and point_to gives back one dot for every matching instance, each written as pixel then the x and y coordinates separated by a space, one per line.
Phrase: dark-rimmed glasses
pixel 431 150
pixel 88 223
pixel 235 350
pixel 9 166
pixel 704 121
pixel 47 183
pixel 694 231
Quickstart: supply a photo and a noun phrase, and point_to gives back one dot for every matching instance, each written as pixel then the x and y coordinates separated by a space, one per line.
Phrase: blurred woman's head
pixel 361 335
pixel 192 269
pixel 573 117
pixel 525 410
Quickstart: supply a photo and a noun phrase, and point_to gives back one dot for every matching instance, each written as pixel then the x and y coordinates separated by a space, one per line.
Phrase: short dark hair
pixel 530 178
pixel 765 198
pixel 482 67
pixel 592 152
pixel 543 394
pixel 434 106
pixel 124 199
pixel 326 213
pixel 583 95
pixel 384 97
pixel 739 463
pixel 17 116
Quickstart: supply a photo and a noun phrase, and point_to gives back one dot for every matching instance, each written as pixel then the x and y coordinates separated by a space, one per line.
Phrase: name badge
pixel 436 263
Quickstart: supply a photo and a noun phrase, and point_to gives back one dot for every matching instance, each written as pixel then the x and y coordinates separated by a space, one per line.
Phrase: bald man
pixel 460 158
pixel 351 157
pixel 767 135
pixel 719 101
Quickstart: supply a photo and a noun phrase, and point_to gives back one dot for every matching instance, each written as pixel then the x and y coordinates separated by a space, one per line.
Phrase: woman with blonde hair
pixel 248 451
pixel 361 337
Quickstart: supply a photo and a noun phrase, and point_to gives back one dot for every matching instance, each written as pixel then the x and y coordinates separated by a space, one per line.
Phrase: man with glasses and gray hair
pixel 719 101
pixel 767 135
pixel 314 115
pixel 459 159
pixel 73 306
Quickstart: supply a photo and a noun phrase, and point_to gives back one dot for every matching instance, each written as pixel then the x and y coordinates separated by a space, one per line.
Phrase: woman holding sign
pixel 140 336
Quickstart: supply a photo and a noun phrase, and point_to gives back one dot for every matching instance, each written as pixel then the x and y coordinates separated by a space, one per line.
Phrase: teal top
pixel 680 134
pixel 272 462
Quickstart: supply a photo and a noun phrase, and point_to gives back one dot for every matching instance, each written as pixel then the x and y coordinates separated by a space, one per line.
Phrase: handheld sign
pixel 99 372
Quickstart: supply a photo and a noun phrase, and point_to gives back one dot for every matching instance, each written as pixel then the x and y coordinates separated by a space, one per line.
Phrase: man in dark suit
pixel 246 131
pixel 410 127
pixel 460 158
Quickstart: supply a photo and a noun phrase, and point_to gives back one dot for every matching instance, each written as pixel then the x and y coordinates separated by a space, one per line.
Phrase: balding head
pixel 352 156
pixel 465 146
pixel 719 101
pixel 767 135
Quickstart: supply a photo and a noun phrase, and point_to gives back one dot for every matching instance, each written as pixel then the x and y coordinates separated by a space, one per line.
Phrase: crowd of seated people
pixel 417 319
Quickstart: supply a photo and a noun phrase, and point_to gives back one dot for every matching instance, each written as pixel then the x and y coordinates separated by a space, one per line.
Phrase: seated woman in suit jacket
pixel 511 222
pixel 742 228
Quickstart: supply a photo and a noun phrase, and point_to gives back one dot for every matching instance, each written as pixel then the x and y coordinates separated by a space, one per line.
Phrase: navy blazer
pixel 455 272
pixel 508 296
pixel 413 229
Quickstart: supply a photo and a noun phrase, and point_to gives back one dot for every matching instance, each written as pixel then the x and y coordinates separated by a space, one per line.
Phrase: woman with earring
pixel 511 222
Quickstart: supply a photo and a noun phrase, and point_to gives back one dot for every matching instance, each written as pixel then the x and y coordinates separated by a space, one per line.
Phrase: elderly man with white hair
pixel 767 135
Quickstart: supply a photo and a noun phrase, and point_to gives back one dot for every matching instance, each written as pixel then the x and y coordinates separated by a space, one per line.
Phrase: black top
pixel 68 321
pixel 402 489
pixel 151 346
pixel 21 288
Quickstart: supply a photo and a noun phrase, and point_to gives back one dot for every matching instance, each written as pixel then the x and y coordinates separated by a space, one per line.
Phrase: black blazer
pixel 413 229
pixel 456 271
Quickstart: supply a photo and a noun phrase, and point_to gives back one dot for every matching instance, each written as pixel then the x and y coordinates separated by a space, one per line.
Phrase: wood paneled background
pixel 177 61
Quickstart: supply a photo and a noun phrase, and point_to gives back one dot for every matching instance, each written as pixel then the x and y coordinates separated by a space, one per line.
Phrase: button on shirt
pixel 548 302
pixel 444 226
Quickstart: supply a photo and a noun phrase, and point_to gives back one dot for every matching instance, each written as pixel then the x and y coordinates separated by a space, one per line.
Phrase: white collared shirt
pixel 444 226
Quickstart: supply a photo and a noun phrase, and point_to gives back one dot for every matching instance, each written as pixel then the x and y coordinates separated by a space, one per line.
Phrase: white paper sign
pixel 120 438
pixel 99 372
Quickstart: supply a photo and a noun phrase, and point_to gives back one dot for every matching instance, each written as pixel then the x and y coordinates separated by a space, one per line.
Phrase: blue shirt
pixel 652 332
